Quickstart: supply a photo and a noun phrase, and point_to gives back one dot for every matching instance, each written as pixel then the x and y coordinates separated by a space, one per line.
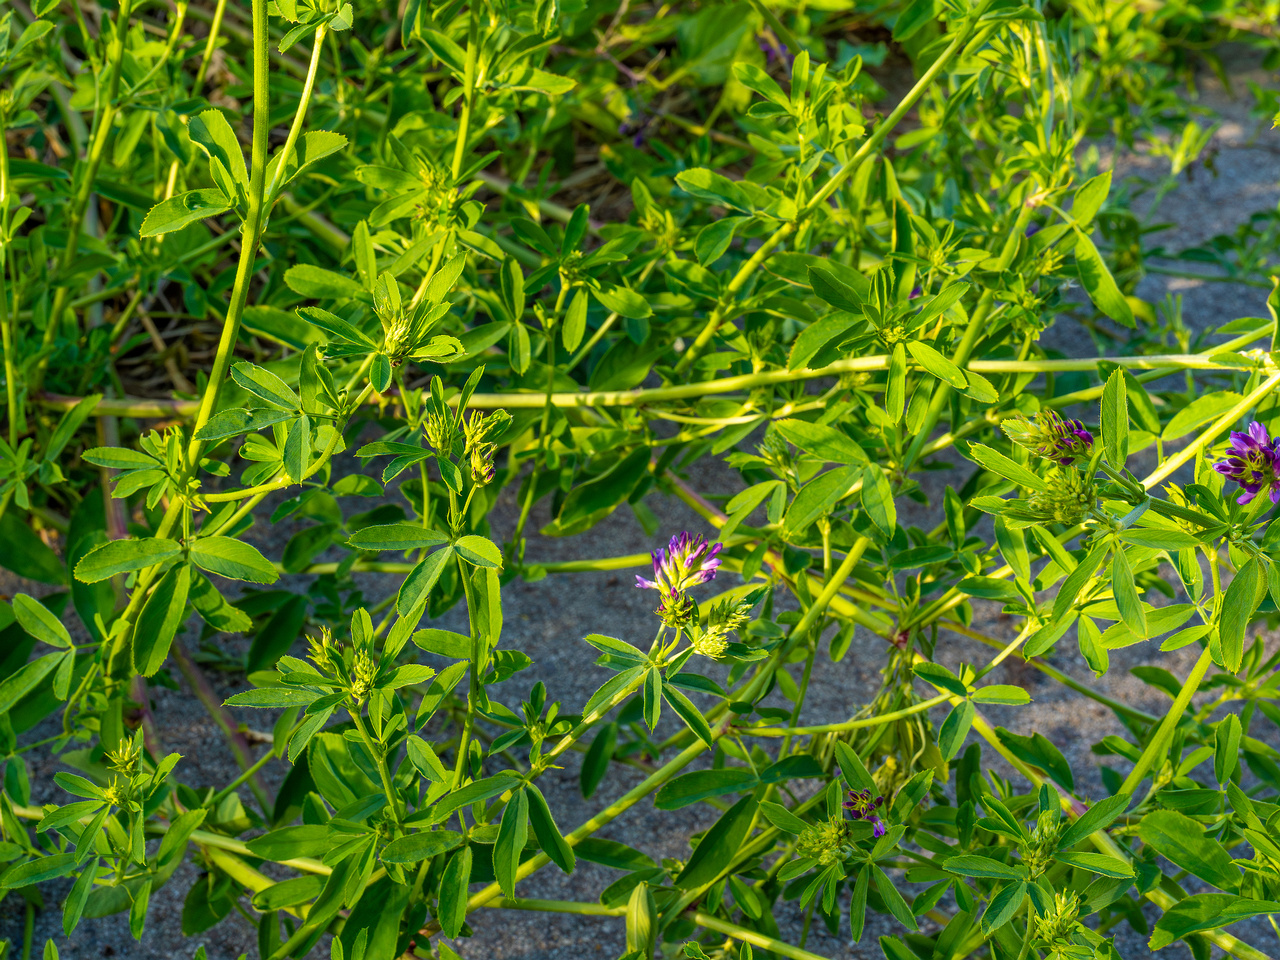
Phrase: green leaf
pixel 1002 693
pixel 213 134
pixel 821 440
pixel 288 843
pixel 1205 911
pixel 170 216
pixel 1206 407
pixel 1097 817
pixel 273 697
pixel 421 579
pixel 214 608
pixel 1039 751
pixel 955 728
pixel 317 283
pixel 833 288
pixel 917 15
pixel 1002 466
pixel 854 771
pixel 475 792
pixel 1078 577
pixel 548 835
pixel 937 364
pixel 162 614
pixel 1098 282
pixel 782 818
pixel 714 239
pixel 337 328
pixel 1158 538
pixel 700 785
pixel 893 899
pixel 39 622
pixel 1226 752
pixel 1238 604
pixel 714 188
pixel 575 321
pixel 1115 420
pixel 512 833
pixel 1097 863
pixel 1125 590
pixel 37 871
pixel 818 496
pixel 717 847
pixel 478 551
pixel 425 761
pixel 453 893
pixel 1183 841
pixel 26 554
pixel 623 301
pixel 689 713
pixel 265 385
pixel 596 762
pixel 416 847
pixel 124 556
pixel 233 559
pixel 974 866
pixel 1003 906
pixel 18 684
pixel 877 499
pixel 755 79
pixel 1090 197
pixel 396 536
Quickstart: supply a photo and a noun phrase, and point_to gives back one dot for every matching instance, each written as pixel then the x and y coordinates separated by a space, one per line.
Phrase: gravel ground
pixel 547 619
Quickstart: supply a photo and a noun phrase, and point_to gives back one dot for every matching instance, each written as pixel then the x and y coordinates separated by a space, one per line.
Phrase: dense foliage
pixel 421 253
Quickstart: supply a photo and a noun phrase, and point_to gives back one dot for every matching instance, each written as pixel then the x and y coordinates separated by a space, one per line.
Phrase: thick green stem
pixel 1159 743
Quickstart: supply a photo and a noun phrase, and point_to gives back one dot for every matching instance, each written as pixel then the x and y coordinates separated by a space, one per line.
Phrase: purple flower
pixel 774 49
pixel 1251 462
pixel 688 561
pixel 1050 436
pixel 861 805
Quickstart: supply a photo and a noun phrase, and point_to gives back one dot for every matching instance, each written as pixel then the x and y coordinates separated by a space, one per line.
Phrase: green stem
pixel 17 419
pixel 308 85
pixel 469 89
pixel 378 756
pixel 1159 743
pixel 252 233
pixel 744 935
pixel 215 28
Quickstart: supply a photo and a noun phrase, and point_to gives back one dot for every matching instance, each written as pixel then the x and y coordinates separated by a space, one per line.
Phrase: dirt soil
pixel 547 620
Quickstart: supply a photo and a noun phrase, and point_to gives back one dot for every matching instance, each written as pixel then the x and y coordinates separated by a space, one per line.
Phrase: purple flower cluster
pixel 861 805
pixel 1051 436
pixel 688 561
pixel 1252 462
